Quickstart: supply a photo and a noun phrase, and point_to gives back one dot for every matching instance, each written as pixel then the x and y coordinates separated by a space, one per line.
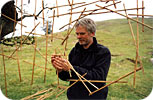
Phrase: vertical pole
pixel 57 8
pixel 43 11
pixel 21 20
pixel 52 26
pixel 137 49
pixel 15 19
pixel 4 71
pixel 114 4
pixel 131 29
pixel 46 52
pixel 34 49
pixel 70 21
pixel 142 15
pixel 18 62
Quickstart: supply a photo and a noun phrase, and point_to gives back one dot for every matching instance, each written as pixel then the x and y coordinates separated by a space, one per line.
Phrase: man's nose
pixel 78 36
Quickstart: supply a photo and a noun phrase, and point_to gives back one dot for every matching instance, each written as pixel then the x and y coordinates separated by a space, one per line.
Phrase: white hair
pixel 87 23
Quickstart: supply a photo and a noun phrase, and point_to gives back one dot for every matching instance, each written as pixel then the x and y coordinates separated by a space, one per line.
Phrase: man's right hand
pixel 55 64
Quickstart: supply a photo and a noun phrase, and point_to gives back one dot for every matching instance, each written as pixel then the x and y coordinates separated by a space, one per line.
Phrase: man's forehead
pixel 81 28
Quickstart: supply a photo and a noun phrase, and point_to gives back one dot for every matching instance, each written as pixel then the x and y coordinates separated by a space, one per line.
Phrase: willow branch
pixel 126 17
pixel 24 40
pixel 13 20
pixel 97 81
pixel 115 80
pixel 69 86
pixel 73 27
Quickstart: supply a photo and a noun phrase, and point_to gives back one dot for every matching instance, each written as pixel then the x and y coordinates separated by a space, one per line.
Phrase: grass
pixel 115 34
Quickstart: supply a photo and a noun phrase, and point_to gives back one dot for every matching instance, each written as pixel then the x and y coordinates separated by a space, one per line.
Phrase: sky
pixel 59 22
pixel 62 20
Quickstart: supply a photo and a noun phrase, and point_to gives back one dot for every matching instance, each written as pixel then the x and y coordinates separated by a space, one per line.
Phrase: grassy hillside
pixel 115 34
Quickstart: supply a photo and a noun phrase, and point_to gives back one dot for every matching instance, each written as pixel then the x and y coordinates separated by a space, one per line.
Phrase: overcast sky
pixel 59 22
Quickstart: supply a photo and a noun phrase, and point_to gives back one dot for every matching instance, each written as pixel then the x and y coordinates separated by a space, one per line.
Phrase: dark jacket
pixel 95 61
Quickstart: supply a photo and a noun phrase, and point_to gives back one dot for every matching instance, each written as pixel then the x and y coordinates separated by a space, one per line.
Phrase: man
pixel 86 57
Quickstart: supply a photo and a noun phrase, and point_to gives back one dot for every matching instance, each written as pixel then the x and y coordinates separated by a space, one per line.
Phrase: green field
pixel 115 34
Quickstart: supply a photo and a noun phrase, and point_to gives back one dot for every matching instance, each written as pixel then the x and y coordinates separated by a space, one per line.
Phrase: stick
pixel 110 11
pixel 65 44
pixel 16 44
pixel 142 16
pixel 132 33
pixel 70 21
pixel 137 50
pixel 34 61
pixel 46 52
pixel 8 56
pixel 125 16
pixel 84 84
pixel 52 26
pixel 66 5
pixel 36 34
pixel 24 40
pixel 29 15
pixel 43 97
pixel 81 76
pixel 18 62
pixel 13 20
pixel 100 12
pixel 57 8
pixel 92 11
pixel 41 54
pixel 69 2
pixel 35 12
pixel 73 27
pixel 86 4
pixel 55 54
pixel 114 4
pixel 21 23
pixel 92 3
pixel 4 71
pixel 37 93
pixel 141 65
pixel 89 82
pixel 115 80
pixel 34 56
pixel 37 65
pixel 69 86
pixel 57 37
pixel 43 11
pixel 131 29
pixel 97 81
pixel 27 62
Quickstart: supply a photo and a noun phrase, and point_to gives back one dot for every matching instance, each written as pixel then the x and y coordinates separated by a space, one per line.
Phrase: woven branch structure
pixel 83 13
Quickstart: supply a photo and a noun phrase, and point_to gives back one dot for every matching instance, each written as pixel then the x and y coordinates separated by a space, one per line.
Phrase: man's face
pixel 84 37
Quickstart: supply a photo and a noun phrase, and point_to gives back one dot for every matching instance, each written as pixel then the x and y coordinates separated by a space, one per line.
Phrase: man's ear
pixel 93 34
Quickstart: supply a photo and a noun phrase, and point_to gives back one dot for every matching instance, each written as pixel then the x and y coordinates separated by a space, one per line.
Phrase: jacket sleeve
pixel 98 72
pixel 64 75
pixel 100 69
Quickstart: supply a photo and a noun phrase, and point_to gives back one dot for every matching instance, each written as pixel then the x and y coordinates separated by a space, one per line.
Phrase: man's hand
pixel 59 63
